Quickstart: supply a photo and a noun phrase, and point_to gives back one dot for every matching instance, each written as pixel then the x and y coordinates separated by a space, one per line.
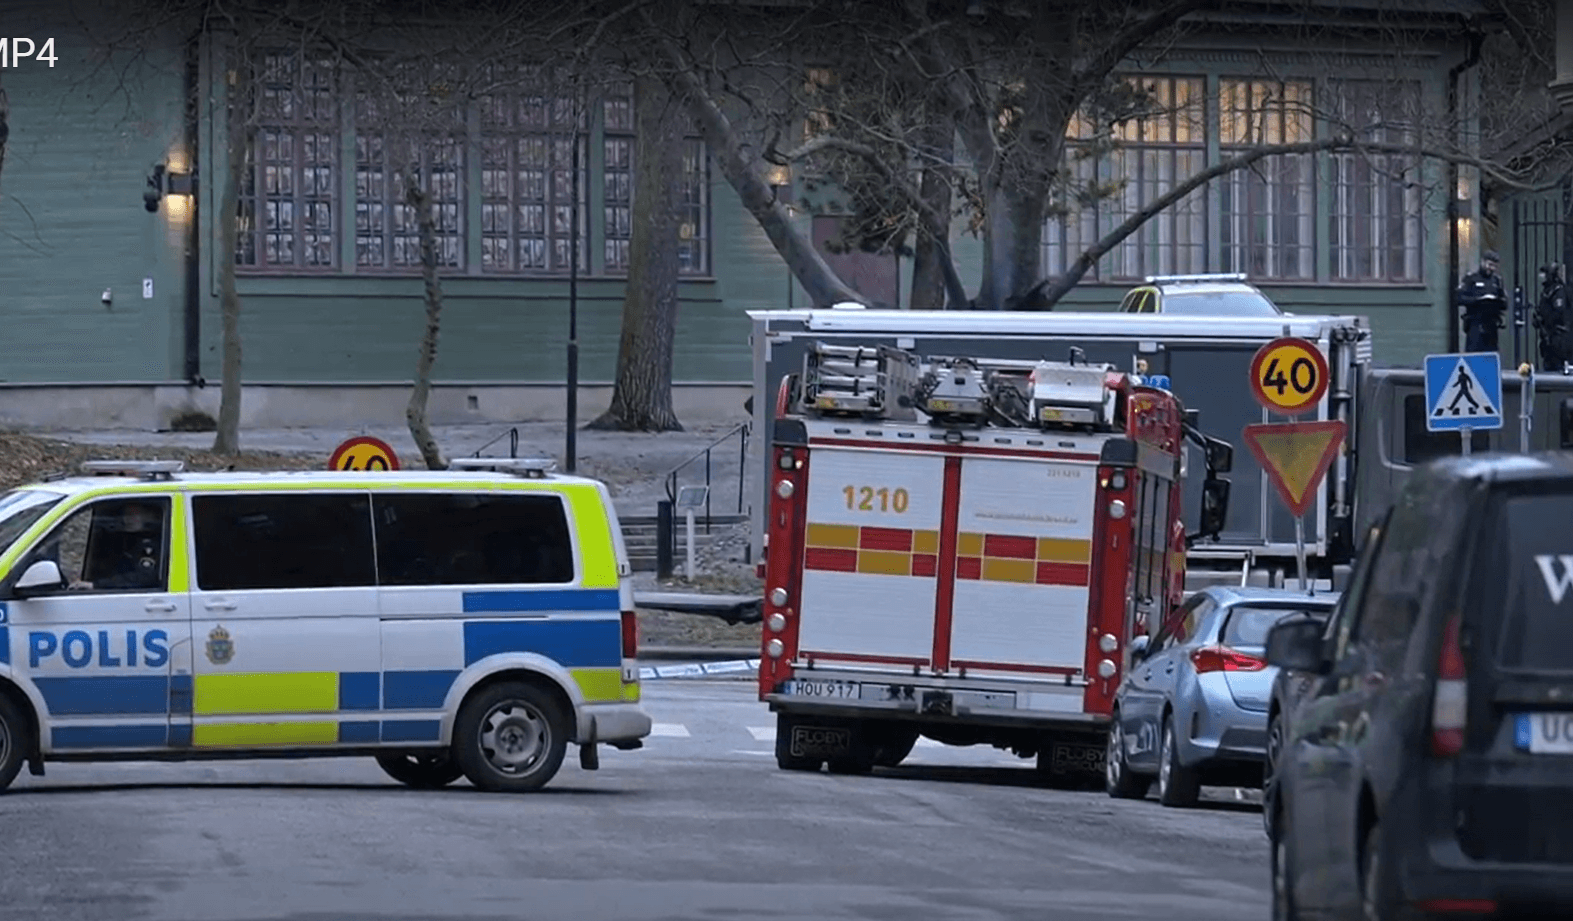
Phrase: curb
pixel 697 653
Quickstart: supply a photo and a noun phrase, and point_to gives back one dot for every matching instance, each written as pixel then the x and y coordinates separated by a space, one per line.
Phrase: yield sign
pixel 1296 456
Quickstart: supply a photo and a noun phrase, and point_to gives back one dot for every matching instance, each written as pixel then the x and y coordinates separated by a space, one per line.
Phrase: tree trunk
pixel 1012 237
pixel 226 438
pixel 642 395
pixel 930 255
pixel 426 357
pixel 743 172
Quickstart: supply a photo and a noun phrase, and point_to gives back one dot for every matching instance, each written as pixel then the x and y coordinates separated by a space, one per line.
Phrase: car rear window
pixel 1247 626
pixel 1525 579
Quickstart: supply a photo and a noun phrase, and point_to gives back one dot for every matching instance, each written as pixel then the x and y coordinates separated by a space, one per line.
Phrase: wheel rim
pixel 1164 757
pixel 1274 742
pixel 5 742
pixel 1113 769
pixel 515 737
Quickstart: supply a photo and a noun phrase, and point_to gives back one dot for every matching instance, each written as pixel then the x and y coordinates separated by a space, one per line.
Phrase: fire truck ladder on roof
pixel 860 381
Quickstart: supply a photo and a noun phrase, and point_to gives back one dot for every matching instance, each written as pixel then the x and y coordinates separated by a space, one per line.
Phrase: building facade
pixel 99 290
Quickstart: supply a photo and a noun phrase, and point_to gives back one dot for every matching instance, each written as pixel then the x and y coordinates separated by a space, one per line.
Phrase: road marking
pixel 750 751
pixel 763 733
pixel 673 730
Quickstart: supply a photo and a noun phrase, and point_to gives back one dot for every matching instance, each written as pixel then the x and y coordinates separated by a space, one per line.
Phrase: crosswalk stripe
pixel 674 730
pixel 763 733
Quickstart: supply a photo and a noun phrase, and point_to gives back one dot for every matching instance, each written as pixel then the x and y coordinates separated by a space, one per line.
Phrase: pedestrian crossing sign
pixel 1463 390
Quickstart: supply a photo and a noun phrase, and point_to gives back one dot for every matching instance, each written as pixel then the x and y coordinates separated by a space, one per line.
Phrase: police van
pixel 471 622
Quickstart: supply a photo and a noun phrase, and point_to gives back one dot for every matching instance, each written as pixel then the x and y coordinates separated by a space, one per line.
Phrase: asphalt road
pixel 697 825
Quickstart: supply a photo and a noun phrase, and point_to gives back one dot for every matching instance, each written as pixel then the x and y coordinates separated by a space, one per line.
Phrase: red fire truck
pixel 962 549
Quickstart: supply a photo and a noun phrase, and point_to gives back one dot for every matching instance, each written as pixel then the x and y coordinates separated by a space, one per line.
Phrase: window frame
pixel 34 552
pixel 570 531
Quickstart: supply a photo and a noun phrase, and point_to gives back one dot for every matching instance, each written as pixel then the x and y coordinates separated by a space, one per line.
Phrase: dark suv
pixel 1428 768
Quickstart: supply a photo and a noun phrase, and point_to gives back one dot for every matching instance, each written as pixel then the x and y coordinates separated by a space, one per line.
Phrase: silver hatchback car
pixel 1192 708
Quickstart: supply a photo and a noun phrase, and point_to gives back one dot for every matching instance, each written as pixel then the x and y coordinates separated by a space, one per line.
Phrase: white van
pixel 471 622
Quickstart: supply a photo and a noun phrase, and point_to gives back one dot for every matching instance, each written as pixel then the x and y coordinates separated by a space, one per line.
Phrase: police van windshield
pixel 1525 572
pixel 19 508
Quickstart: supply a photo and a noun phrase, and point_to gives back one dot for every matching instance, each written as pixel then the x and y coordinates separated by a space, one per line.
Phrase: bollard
pixel 1526 404
pixel 688 518
pixel 665 534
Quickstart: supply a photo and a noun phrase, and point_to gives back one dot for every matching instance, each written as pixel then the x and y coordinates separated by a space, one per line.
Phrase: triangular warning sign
pixel 1295 456
pixel 1463 396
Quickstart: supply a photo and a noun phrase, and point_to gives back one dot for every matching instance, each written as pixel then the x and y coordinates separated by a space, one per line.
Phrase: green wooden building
pixel 108 303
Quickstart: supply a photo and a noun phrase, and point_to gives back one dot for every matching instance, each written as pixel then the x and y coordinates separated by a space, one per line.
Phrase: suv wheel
pixel 13 741
pixel 1275 743
pixel 1177 785
pixel 1282 876
pixel 1377 902
pixel 510 738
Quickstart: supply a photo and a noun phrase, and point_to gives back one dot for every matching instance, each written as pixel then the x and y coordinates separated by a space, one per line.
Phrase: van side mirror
pixel 1295 644
pixel 1215 506
pixel 42 576
pixel 1220 455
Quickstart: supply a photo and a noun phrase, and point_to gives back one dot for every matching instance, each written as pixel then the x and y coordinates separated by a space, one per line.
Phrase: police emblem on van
pixel 220 648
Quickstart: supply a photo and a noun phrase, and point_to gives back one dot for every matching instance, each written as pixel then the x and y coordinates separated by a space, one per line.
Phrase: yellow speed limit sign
pixel 1289 376
pixel 363 453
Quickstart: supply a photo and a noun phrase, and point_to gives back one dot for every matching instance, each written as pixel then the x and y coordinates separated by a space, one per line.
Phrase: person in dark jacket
pixel 1484 303
pixel 1551 319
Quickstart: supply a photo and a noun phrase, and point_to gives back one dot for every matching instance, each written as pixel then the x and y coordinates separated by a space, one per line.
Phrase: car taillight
pixel 630 635
pixel 1223 659
pixel 1450 702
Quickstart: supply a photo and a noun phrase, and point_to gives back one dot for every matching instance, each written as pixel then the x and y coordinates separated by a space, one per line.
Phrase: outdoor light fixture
pixel 779 177
pixel 165 181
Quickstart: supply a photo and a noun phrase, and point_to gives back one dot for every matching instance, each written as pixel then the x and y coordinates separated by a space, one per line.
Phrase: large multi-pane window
pixel 1153 151
pixel 497 168
pixel 1268 208
pixel 1266 213
pixel 289 192
pixel 1374 219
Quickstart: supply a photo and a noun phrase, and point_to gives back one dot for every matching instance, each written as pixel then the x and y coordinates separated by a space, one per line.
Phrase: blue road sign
pixel 1463 390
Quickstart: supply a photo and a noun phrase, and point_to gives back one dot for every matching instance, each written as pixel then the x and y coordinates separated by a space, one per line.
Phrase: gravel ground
pixel 634 466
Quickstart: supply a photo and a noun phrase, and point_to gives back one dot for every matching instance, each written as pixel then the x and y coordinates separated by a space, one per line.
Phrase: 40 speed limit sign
pixel 1289 376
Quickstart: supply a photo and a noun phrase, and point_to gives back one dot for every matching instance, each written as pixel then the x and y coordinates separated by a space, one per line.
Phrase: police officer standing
pixel 1484 303
pixel 1551 318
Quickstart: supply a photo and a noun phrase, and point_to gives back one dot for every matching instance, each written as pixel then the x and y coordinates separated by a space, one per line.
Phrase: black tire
pixel 14 741
pixel 423 772
pixel 895 744
pixel 785 760
pixel 510 738
pixel 1118 781
pixel 1177 784
pixel 1275 745
pixel 1281 870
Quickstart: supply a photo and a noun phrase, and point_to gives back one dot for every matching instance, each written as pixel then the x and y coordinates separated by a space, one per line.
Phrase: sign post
pixel 363 453
pixel 1290 376
pixel 1464 393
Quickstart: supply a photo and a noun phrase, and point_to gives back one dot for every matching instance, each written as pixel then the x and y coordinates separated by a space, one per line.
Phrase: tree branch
pixel 1056 287
pixel 1123 43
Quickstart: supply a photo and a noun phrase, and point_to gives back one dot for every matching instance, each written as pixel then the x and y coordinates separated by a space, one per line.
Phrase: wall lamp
pixel 780 177
pixel 164 181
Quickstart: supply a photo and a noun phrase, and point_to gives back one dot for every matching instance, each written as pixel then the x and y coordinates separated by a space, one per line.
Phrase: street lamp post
pixel 571 448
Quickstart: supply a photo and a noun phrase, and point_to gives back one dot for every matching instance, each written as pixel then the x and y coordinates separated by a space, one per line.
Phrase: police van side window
pixel 283 540
pixel 472 539
pixel 115 545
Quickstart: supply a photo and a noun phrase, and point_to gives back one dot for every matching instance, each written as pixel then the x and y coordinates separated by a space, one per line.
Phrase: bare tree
pixel 1011 80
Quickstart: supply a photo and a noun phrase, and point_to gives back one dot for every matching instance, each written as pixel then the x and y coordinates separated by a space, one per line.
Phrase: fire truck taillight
pixel 778 596
pixel 776 622
pixel 1108 642
pixel 774 648
pixel 784 489
pixel 1117 480
pixel 1106 669
pixel 1117 509
pixel 786 461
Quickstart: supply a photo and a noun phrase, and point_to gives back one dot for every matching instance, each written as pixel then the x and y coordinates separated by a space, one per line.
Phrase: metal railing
pixel 513 443
pixel 740 432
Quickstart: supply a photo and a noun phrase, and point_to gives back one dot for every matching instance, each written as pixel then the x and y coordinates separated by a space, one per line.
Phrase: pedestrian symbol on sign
pixel 1461 389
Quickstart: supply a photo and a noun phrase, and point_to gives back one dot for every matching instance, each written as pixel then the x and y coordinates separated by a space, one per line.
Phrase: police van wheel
pixel 13 742
pixel 510 738
pixel 423 772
